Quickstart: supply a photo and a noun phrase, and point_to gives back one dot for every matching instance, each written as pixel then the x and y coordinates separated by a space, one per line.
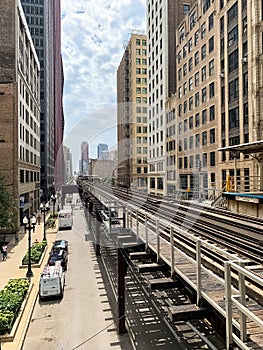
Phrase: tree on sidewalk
pixel 7 214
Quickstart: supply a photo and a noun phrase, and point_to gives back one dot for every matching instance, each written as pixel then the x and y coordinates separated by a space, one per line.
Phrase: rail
pixel 231 301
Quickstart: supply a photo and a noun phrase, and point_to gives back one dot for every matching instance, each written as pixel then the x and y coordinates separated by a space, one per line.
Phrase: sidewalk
pixel 10 269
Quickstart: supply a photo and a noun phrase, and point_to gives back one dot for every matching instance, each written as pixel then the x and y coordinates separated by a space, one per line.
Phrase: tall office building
pixel 132 114
pixel 84 158
pixel 218 100
pixel 163 18
pixel 68 164
pixel 192 119
pixel 102 147
pixel 19 110
pixel 43 18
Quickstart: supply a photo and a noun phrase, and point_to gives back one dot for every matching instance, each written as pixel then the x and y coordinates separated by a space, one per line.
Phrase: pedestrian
pixel 38 218
pixel 4 251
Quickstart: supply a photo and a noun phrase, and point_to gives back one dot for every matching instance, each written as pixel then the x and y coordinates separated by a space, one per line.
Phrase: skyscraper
pixel 101 148
pixel 132 113
pixel 162 21
pixel 43 18
pixel 19 110
pixel 84 158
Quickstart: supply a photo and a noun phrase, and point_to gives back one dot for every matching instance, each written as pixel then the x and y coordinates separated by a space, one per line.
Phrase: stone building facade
pixel 132 114
pixel 19 110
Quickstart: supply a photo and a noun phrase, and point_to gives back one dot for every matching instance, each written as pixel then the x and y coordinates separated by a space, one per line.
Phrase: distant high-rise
pixel 43 18
pixel 102 147
pixel 68 164
pixel 84 159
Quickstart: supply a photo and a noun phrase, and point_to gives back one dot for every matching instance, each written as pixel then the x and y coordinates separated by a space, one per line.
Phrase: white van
pixel 65 219
pixel 52 281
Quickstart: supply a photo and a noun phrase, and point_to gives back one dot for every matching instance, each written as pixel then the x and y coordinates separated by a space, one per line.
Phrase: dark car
pixel 58 255
pixel 60 244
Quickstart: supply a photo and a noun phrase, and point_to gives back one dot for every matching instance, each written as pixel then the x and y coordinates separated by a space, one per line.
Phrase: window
pixel 212 113
pixel 204 94
pixel 212 90
pixel 185 69
pixel 197 120
pixel 234 118
pixel 212 159
pixel 181 34
pixel 190 45
pixel 197 140
pixel 191 122
pixel 206 5
pixel 233 36
pixel 204 160
pixel 203 30
pixel 190 64
pixel 204 138
pixel 191 84
pixel 197 100
pixel 204 119
pixel 211 22
pixel 191 103
pixel 192 20
pixel 196 58
pixel 233 61
pixel 184 51
pixel 212 136
pixel 138 61
pixel 203 51
pixel 203 71
pixel 185 88
pixel 211 44
pixel 138 42
pixel 233 90
pixel 211 67
pixel 232 13
pixel 186 8
pixel 197 37
pixel 197 79
pixel 245 84
pixel 180 74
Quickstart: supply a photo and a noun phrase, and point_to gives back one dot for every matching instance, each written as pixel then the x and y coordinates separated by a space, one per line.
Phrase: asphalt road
pixel 82 319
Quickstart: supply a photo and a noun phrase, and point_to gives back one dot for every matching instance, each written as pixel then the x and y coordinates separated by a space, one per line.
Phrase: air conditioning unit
pixel 222 75
pixel 244 60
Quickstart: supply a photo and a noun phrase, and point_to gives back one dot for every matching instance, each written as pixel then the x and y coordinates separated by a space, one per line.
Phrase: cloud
pixel 94 35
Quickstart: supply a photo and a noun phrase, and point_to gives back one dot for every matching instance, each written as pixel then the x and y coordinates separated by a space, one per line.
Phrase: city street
pixel 82 319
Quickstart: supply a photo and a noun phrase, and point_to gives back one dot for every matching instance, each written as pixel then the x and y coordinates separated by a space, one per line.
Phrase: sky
pixel 94 36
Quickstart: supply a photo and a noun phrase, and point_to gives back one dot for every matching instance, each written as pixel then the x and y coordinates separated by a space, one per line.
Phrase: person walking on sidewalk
pixel 4 251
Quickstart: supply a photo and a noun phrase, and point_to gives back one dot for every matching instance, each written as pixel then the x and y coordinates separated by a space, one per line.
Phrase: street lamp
pixel 53 198
pixel 44 208
pixel 29 225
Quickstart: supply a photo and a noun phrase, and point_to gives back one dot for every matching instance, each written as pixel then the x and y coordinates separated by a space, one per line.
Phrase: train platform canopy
pixel 246 148
pixel 251 197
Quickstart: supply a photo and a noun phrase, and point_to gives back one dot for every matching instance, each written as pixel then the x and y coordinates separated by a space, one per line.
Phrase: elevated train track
pixel 238 238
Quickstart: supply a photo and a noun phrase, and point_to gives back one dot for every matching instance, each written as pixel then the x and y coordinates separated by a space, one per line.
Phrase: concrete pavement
pixel 10 269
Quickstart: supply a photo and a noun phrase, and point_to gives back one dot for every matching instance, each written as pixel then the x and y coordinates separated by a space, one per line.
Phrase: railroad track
pixel 241 237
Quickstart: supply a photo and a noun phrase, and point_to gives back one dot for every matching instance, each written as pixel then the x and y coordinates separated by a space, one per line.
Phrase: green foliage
pixel 36 253
pixel 50 223
pixel 7 214
pixel 53 216
pixel 11 298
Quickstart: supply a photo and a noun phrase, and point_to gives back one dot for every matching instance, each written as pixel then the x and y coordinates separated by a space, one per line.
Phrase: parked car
pixel 58 255
pixel 60 244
